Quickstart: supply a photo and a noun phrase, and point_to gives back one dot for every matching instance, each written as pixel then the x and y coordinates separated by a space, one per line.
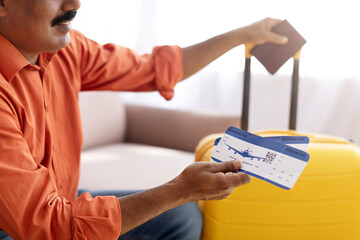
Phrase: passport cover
pixel 272 55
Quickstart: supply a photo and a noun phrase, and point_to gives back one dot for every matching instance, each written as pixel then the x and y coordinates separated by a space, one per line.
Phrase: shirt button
pixel 61 185
pixel 54 147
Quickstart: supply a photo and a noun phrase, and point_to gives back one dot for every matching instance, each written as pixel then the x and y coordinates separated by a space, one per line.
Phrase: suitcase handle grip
pixel 246 90
pixel 248 48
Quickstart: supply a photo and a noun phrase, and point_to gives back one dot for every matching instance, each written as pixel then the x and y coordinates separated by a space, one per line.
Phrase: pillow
pixel 103 118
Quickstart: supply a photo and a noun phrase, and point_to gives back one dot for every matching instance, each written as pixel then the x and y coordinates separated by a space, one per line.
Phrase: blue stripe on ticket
pixel 266 143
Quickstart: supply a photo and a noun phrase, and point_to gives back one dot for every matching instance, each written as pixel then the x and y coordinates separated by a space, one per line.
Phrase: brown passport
pixel 272 55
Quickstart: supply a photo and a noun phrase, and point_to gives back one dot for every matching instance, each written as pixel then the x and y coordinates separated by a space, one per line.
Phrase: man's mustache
pixel 63 18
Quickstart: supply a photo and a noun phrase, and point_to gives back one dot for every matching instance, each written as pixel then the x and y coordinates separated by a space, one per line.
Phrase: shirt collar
pixel 12 61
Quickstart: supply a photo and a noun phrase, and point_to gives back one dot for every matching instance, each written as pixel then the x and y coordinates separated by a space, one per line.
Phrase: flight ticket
pixel 277 160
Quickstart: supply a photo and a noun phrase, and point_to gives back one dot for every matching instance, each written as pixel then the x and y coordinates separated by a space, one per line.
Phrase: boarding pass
pixel 277 160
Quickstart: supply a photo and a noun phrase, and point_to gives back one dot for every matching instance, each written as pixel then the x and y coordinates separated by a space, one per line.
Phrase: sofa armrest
pixel 177 129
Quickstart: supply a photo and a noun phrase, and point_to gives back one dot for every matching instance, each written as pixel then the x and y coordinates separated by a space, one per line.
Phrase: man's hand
pixel 260 32
pixel 210 181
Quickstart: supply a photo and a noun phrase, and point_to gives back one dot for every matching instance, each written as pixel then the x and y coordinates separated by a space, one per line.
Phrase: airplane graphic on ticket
pixel 245 153
pixel 278 160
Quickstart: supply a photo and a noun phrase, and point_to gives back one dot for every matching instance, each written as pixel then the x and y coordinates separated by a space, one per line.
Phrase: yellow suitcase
pixel 323 204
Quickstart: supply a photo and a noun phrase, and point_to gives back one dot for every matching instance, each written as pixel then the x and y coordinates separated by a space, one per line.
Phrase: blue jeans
pixel 180 223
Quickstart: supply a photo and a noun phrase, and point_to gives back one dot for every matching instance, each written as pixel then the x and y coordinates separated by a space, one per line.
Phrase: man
pixel 43 66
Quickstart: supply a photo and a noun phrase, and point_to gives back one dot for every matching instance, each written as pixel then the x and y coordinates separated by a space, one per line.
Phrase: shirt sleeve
pixel 30 207
pixel 112 67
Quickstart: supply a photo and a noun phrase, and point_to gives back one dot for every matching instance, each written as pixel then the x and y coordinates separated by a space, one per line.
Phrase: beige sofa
pixel 138 147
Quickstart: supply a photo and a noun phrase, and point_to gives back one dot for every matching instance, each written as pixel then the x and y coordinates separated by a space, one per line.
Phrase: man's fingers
pixel 276 38
pixel 237 179
pixel 229 170
pixel 228 166
pixel 211 180
pixel 272 22
pixel 273 37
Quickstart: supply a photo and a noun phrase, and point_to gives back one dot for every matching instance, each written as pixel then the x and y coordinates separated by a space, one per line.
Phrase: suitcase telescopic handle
pixel 244 121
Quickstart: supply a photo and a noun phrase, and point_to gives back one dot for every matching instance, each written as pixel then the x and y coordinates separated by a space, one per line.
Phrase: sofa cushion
pixel 103 118
pixel 130 166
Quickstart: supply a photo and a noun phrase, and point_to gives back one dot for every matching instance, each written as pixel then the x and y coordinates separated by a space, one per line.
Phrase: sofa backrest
pixel 103 118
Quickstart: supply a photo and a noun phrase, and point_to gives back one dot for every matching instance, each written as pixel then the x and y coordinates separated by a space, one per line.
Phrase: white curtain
pixel 329 64
pixel 331 27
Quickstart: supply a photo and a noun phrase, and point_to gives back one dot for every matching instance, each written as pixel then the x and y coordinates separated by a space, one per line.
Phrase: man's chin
pixel 61 42
pixel 67 40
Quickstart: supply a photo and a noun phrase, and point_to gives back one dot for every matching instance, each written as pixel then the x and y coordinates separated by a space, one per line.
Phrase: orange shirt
pixel 41 134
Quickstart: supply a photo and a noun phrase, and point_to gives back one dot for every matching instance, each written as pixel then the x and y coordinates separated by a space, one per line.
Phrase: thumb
pixel 228 166
pixel 276 38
